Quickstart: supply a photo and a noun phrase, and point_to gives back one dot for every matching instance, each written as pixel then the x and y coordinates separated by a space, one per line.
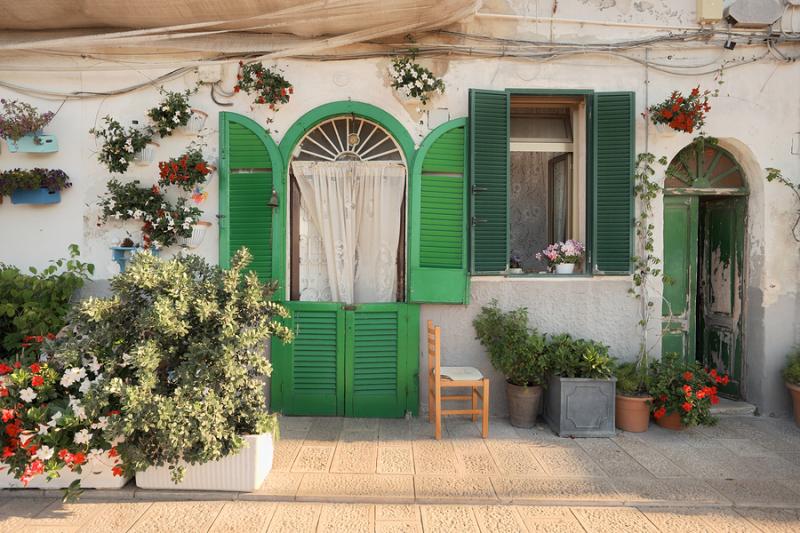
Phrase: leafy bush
pixel 791 373
pixel 182 347
pixel 514 349
pixel 578 358
pixel 37 303
pixel 686 388
pixel 632 380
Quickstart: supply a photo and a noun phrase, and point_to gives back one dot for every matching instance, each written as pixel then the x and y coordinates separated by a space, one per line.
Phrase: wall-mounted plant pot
pixel 34 144
pixel 41 196
pixel 198 234
pixel 122 254
pixel 664 130
pixel 146 155
pixel 197 121
pixel 581 407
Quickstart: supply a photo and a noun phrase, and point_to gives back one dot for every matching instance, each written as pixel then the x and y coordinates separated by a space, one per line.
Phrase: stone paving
pixel 333 474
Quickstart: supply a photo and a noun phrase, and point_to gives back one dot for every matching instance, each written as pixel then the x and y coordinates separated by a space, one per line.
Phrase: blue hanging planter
pixel 122 254
pixel 34 144
pixel 41 196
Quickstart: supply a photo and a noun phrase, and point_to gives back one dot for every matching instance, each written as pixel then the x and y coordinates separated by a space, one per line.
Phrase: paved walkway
pixel 391 475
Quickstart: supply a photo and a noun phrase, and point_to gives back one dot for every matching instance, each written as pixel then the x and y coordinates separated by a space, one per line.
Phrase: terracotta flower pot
pixel 633 413
pixel 794 390
pixel 671 421
pixel 523 404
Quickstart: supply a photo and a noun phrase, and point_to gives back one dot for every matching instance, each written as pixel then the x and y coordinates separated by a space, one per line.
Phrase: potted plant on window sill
pixel 562 257
pixel 22 126
pixel 515 264
pixel 683 392
pixel 791 376
pixel 187 368
pixel 518 352
pixel 581 388
pixel 38 186
pixel 633 401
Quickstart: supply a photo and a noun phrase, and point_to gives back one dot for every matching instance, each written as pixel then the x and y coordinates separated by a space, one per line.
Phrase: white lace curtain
pixel 355 207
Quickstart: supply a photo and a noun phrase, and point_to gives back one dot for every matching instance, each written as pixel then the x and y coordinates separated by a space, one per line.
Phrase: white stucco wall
pixel 756 115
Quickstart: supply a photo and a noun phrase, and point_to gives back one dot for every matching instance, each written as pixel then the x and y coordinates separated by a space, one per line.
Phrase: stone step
pixel 727 407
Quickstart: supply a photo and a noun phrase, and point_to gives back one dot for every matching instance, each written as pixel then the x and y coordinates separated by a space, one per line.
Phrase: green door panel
pixel 438 223
pixel 356 360
pixel 613 160
pixel 250 168
pixel 308 376
pixel 680 266
pixel 722 286
pixel 488 172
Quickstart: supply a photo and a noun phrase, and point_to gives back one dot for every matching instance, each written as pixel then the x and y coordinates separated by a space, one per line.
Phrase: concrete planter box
pixel 243 472
pixel 580 407
pixel 95 474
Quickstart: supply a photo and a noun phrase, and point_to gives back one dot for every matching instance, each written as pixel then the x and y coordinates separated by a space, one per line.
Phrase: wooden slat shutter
pixel 613 182
pixel 438 229
pixel 308 377
pixel 249 163
pixel 489 166
pixel 376 365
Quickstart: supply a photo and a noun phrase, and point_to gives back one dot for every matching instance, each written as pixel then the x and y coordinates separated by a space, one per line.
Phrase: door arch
pixel 705 222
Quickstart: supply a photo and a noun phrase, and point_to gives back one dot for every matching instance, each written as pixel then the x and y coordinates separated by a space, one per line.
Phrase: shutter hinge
pixel 220 216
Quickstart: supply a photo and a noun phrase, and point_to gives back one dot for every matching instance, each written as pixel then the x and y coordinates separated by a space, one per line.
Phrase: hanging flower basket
pixel 197 122
pixel 198 234
pixel 21 126
pixel 121 146
pixel 146 155
pixel 413 82
pixel 172 112
pixel 266 85
pixel 682 113
pixel 38 186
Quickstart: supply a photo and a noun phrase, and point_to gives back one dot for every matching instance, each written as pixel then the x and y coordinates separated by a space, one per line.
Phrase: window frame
pixel 588 96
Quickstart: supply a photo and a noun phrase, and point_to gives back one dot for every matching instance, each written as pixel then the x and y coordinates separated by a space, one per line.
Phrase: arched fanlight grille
pixel 701 165
pixel 348 138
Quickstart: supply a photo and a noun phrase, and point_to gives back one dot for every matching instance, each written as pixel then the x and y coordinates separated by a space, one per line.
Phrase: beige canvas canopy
pixel 213 28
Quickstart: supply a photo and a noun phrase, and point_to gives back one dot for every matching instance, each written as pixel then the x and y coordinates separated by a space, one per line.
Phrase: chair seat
pixel 461 373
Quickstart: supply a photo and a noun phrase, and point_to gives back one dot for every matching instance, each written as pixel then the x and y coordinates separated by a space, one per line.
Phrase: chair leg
pixel 431 401
pixel 474 403
pixel 485 408
pixel 438 404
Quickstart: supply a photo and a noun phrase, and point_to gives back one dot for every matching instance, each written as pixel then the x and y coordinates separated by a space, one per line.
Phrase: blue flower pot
pixel 41 196
pixel 122 254
pixel 29 144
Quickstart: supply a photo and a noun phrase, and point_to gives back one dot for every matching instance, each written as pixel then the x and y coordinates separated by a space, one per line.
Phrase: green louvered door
pixel 613 181
pixel 249 164
pixel 348 360
pixel 438 229
pixel 488 148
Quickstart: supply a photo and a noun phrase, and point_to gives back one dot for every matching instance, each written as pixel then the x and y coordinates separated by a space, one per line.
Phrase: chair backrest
pixel 434 348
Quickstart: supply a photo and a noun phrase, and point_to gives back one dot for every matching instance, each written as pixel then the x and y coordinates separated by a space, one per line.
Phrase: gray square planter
pixel 580 407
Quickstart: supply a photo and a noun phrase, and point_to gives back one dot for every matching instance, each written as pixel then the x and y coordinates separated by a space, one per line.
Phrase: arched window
pixel 348 138
pixel 702 165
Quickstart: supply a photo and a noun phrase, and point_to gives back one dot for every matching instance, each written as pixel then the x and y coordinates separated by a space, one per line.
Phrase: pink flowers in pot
pixel 570 252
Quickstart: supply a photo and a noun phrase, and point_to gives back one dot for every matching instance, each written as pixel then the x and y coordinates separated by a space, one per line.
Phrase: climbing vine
pixel 774 174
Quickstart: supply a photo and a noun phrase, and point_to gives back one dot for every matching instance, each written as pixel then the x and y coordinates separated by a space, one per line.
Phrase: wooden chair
pixel 445 377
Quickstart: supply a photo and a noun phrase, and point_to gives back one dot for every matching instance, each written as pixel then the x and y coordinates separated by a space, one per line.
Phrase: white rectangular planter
pixel 243 472
pixel 95 475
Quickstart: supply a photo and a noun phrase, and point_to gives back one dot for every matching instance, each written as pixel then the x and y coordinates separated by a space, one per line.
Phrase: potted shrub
pixel 187 171
pixel 580 394
pixel 633 401
pixel 683 392
pixel 562 256
pixel 267 85
pixel 50 439
pixel 21 126
pixel 38 186
pixel 516 351
pixel 182 344
pixel 172 112
pixel 791 375
pixel 120 145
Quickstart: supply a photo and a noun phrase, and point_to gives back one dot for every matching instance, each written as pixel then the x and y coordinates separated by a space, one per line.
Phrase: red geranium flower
pixel 5 369
pixel 17 364
pixel 8 414
pixel 7 452
pixel 3 392
pixel 688 376
pixel 661 411
pixel 687 390
pixel 35 368
pixel 113 452
pixel 687 406
pixel 37 381
pixel 117 471
pixel 714 400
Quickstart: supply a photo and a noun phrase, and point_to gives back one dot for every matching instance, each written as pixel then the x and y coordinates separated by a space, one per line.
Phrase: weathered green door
pixel 680 267
pixel 721 287
pixel 348 360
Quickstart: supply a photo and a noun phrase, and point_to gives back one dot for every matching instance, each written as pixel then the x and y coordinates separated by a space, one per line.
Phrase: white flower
pixel 165 108
pixel 55 418
pixel 85 385
pixel 72 375
pixel 43 429
pixel 117 440
pixel 82 437
pixel 44 453
pixel 122 160
pixel 77 408
pixel 176 119
pixel 101 423
pixel 27 395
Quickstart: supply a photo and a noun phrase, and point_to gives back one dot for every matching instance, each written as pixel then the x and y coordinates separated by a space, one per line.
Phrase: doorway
pixel 705 222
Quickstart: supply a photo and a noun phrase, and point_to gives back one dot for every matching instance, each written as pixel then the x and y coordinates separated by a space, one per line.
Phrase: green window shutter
pixel 308 374
pixel 489 166
pixel 249 162
pixel 613 158
pixel 438 229
pixel 377 359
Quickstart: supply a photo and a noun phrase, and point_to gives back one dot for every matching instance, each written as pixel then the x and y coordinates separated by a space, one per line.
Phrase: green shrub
pixel 182 348
pixel 578 358
pixel 514 349
pixel 37 303
pixel 632 380
pixel 791 373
